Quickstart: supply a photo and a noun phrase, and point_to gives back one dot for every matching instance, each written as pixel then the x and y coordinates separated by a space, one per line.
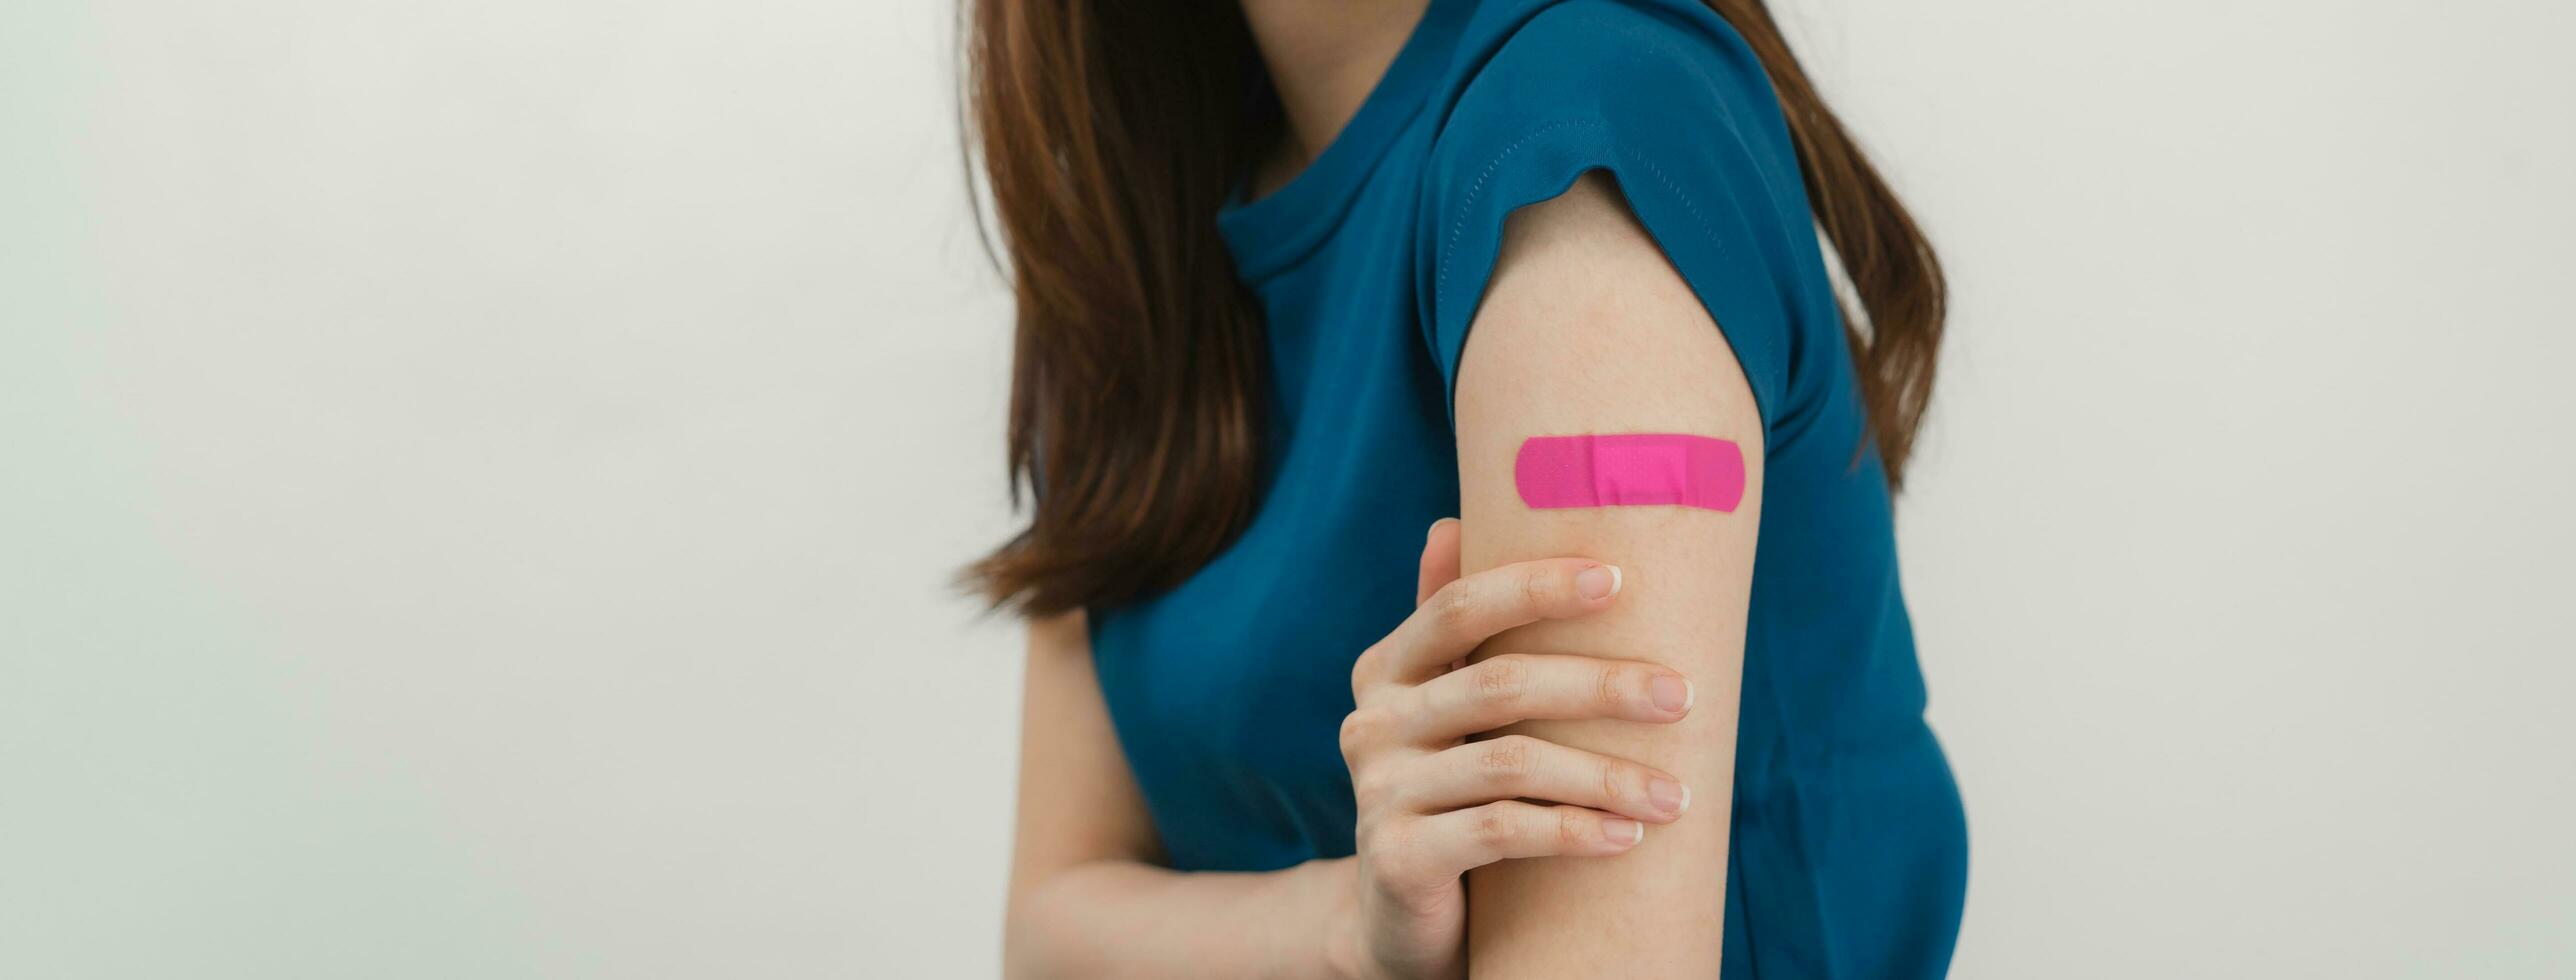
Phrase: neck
pixel 1324 57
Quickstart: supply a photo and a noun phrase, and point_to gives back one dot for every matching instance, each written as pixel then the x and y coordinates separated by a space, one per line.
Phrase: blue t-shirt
pixel 1848 850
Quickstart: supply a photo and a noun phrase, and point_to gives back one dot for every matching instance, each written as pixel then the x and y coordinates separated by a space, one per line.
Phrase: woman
pixel 1655 687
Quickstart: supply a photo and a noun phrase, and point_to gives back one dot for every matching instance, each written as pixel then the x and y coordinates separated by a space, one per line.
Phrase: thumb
pixel 1439 559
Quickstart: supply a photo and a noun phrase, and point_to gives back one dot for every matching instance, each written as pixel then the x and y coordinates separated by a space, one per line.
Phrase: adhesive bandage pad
pixel 1630 470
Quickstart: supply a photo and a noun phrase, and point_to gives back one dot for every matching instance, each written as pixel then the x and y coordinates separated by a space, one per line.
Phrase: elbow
pixel 1023 948
pixel 1037 941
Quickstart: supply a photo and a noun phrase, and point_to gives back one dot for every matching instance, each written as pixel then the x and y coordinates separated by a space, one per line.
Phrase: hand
pixel 1434 803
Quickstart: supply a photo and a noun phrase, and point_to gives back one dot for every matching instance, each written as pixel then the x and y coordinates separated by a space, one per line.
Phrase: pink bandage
pixel 1636 470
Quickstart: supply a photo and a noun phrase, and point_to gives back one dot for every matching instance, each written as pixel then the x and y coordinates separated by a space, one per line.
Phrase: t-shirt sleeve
pixel 1676 110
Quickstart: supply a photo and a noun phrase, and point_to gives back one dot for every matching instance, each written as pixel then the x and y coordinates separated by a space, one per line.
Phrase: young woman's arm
pixel 1086 898
pixel 1587 329
pixel 1088 901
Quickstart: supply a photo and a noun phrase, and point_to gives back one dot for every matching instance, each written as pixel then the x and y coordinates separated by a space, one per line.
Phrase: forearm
pixel 1086 899
pixel 1127 919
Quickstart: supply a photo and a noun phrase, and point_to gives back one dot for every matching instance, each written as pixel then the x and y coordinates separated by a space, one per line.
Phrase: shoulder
pixel 1609 33
pixel 1610 63
pixel 1661 97
pixel 1660 92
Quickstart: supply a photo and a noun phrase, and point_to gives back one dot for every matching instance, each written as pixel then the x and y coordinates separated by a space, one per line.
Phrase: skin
pixel 1586 328
pixel 1518 724
pixel 1324 57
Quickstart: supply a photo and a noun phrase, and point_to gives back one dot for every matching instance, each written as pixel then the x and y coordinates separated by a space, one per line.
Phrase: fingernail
pixel 1623 831
pixel 1669 796
pixel 1597 582
pixel 1435 527
pixel 1672 693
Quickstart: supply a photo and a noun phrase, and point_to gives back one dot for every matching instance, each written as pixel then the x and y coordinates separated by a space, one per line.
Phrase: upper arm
pixel 1078 800
pixel 1586 328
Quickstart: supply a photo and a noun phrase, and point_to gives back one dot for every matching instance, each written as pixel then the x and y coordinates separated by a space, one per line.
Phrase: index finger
pixel 1470 610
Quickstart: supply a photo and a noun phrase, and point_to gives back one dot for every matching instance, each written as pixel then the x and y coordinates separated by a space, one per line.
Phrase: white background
pixel 480 483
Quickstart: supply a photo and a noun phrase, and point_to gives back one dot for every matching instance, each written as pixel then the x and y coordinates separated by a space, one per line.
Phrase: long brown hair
pixel 1111 132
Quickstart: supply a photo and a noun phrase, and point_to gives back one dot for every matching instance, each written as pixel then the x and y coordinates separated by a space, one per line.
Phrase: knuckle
pixel 1454 606
pixel 1368 786
pixel 1616 777
pixel 1572 826
pixel 1612 685
pixel 1365 667
pixel 1506 760
pixel 1359 732
pixel 1539 588
pixel 1502 680
pixel 1495 827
